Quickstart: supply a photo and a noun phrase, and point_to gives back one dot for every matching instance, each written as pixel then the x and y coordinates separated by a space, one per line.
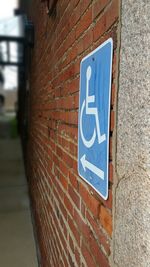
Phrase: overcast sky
pixel 6 8
pixel 6 13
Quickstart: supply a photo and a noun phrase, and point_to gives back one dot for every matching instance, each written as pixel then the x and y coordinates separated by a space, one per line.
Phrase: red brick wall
pixel 74 224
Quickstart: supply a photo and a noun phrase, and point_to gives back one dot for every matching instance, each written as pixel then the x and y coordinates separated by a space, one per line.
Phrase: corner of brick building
pixel 73 223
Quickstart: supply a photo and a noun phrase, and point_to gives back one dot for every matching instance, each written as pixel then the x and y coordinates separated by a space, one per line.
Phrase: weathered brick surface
pixel 74 224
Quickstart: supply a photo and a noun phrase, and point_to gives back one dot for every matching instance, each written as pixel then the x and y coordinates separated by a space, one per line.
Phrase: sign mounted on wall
pixel 94 117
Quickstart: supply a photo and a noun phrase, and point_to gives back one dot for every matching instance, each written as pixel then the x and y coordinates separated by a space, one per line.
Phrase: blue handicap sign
pixel 94 117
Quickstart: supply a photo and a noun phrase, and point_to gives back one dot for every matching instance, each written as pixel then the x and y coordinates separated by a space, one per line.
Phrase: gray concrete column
pixel 131 239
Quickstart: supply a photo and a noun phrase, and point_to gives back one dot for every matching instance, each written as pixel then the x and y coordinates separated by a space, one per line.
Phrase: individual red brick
pixel 68 131
pixel 73 180
pixel 108 203
pixel 74 230
pixel 75 3
pixel 68 205
pixel 71 117
pixel 71 87
pixel 70 40
pixel 87 256
pixel 77 67
pixel 74 196
pixel 67 159
pixel 113 94
pixel 59 151
pixel 84 23
pixel 107 19
pixel 89 200
pixel 81 225
pixel 88 39
pixel 97 253
pixel 80 46
pixel 63 168
pixel 63 240
pixel 99 28
pixel 63 181
pixel 84 6
pixel 77 257
pixel 65 144
pixel 98 7
pixel 75 166
pixel 106 220
pixel 72 54
pixel 100 235
pixel 113 14
pixel 73 149
pixel 112 120
pixel 74 17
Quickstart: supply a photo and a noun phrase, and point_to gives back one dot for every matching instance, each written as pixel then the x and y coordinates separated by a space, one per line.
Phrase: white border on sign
pixel 110 40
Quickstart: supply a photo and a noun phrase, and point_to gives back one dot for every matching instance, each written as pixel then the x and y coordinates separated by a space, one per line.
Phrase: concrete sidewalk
pixel 17 244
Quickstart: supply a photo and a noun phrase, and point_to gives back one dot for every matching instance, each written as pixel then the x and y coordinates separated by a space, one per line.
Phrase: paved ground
pixel 17 245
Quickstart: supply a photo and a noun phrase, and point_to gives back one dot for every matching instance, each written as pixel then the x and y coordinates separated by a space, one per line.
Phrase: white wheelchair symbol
pixel 90 111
